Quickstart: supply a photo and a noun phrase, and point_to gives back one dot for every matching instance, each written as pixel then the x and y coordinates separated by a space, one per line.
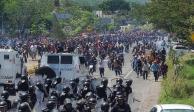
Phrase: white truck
pixel 11 65
pixel 66 65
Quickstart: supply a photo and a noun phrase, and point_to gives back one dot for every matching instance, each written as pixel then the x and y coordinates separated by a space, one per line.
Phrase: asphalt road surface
pixel 145 92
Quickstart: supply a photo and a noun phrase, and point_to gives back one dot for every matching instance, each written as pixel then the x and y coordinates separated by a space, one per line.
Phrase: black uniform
pixel 121 108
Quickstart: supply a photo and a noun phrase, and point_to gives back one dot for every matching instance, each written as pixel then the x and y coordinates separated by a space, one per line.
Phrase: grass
pixel 179 89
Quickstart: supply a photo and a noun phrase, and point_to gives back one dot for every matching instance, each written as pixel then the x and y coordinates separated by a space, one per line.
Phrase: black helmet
pixel 105 107
pixel 62 96
pixel 92 101
pixel 72 83
pixel 31 89
pixel 3 103
pixel 120 97
pixel 24 107
pixel 118 93
pixel 66 89
pixel 104 81
pixel 24 77
pixel 5 94
pixel 101 86
pixel 118 88
pixel 54 93
pixel 87 80
pixel 3 106
pixel 90 95
pixel 58 79
pixel 50 105
pixel 71 80
pixel 67 101
pixel 76 80
pixel 39 84
pixel 87 84
pixel 53 98
pixel 119 81
pixel 23 81
pixel 48 81
pixel 129 82
pixel 15 103
pixel 23 97
pixel 45 110
pixel 80 104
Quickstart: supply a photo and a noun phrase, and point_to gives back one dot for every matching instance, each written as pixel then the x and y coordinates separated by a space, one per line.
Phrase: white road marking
pixel 128 74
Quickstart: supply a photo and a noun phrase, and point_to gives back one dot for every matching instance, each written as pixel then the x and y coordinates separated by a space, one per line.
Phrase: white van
pixel 65 65
pixel 11 65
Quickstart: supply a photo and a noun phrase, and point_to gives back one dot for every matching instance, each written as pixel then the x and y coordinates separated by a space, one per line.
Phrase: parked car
pixel 172 108
pixel 180 49
pixel 192 49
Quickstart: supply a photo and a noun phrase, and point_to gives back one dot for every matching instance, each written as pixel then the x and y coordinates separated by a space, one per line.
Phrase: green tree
pixel 79 21
pixel 138 13
pixel 114 5
pixel 2 3
pixel 24 14
pixel 171 15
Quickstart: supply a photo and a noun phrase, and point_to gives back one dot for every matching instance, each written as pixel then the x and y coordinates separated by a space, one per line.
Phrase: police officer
pixel 32 96
pixel 119 85
pixel 85 89
pixel 80 106
pixel 68 106
pixel 57 84
pixel 105 107
pixel 90 95
pixel 101 92
pixel 40 93
pixel 66 90
pixel 23 97
pixel 73 87
pixel 5 96
pixel 104 82
pixel 92 103
pixel 24 77
pixel 48 85
pixel 23 85
pixel 121 106
pixel 50 107
pixel 3 106
pixel 128 89
pixel 65 94
pixel 119 81
pixel 24 107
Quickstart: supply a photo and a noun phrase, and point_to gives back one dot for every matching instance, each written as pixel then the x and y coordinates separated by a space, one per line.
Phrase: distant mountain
pixel 96 2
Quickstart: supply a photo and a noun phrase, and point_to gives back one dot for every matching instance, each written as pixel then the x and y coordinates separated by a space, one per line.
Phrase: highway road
pixel 145 92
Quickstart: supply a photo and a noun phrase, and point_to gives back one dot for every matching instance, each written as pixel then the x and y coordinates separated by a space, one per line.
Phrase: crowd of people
pixel 46 97
pixel 146 58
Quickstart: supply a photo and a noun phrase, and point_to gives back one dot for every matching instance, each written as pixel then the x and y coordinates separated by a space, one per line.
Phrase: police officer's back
pixel 121 106
pixel 5 96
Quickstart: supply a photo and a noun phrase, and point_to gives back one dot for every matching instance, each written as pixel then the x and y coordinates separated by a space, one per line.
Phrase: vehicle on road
pixel 172 108
pixel 11 65
pixel 65 65
pixel 180 49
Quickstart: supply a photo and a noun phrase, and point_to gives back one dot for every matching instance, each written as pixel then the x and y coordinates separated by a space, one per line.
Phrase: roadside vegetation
pixel 178 87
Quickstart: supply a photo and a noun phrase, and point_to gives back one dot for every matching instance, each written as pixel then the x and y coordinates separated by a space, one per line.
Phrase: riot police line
pixel 75 96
